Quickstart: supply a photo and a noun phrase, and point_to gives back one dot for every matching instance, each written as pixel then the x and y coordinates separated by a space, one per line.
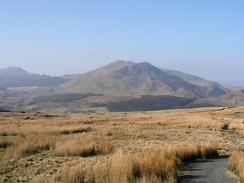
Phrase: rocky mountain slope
pixel 211 88
pixel 125 78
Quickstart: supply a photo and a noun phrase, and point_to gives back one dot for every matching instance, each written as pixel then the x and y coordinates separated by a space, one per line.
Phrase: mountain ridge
pixel 120 85
pixel 130 78
pixel 196 80
pixel 122 67
pixel 17 77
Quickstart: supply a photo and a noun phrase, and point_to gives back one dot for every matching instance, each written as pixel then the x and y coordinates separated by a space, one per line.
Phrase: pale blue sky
pixel 202 37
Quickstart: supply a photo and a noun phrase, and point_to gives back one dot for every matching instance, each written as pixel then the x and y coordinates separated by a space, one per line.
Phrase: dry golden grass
pixel 5 143
pixel 81 146
pixel 237 124
pixel 31 144
pixel 75 146
pixel 104 147
pixel 89 139
pixel 73 175
pixel 43 179
pixel 154 166
pixel 24 130
pixel 73 130
pixel 197 152
pixel 236 163
pixel 107 131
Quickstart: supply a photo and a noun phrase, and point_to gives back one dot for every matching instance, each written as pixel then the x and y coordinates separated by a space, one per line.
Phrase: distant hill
pixel 232 87
pixel 232 99
pixel 211 88
pixel 125 78
pixel 17 77
pixel 119 86
pixel 4 110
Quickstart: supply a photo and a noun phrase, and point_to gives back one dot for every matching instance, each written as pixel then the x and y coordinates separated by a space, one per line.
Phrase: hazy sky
pixel 203 37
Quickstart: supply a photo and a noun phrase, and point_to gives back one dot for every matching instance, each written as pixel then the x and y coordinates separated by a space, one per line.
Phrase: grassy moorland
pixel 134 147
pixel 156 165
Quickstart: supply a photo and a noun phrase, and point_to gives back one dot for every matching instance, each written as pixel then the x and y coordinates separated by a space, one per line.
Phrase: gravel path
pixel 205 171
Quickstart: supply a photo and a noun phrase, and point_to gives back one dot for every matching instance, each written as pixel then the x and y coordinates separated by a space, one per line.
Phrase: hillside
pixel 232 99
pixel 149 103
pixel 119 86
pixel 62 98
pixel 3 110
pixel 17 77
pixel 125 78
pixel 211 88
pixel 232 87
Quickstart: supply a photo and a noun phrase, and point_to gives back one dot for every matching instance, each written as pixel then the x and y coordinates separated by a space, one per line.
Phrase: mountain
pixel 126 78
pixel 17 77
pixel 211 88
pixel 119 86
pixel 232 87
pixel 232 99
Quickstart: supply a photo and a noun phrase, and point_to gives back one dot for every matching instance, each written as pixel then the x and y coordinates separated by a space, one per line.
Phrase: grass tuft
pixel 80 146
pixel 30 144
pixel 154 166
pixel 236 163
pixel 75 131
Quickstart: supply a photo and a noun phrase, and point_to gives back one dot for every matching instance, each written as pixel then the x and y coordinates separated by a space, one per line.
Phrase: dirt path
pixel 205 171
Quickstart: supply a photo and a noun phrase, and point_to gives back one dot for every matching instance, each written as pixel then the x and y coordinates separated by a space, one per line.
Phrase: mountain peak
pixel 116 65
pixel 121 63
pixel 145 65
